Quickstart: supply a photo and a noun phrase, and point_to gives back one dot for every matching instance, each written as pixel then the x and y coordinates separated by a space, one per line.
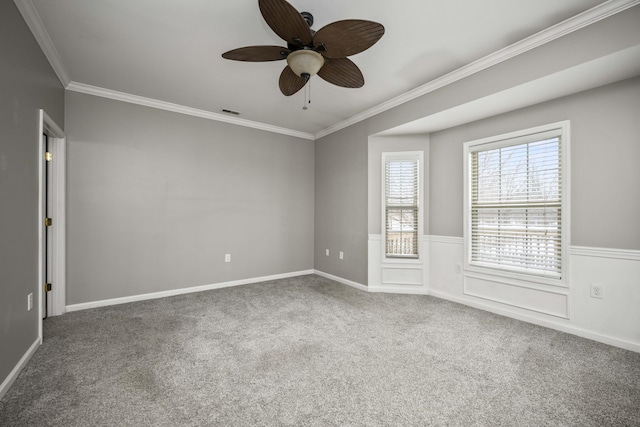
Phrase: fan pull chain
pixel 307 95
pixel 304 100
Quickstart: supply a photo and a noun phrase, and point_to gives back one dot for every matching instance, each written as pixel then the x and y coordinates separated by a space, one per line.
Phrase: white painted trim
pixel 527 284
pixel 58 293
pixel 341 280
pixel 181 109
pixel 546 323
pixel 628 254
pixel 386 289
pixel 550 323
pixel 60 225
pixel 36 26
pixel 586 18
pixel 6 384
pixel 547 35
pixel 400 289
pixel 40 216
pixel 181 291
pixel 402 155
pixel 446 239
pixel 48 126
pixel 561 129
pixel 501 281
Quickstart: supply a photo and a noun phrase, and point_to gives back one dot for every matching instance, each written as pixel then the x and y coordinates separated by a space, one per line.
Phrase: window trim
pixel 505 140
pixel 402 155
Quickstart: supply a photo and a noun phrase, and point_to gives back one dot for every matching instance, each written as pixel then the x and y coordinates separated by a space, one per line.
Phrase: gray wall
pixel 27 83
pixel 155 199
pixel 341 204
pixel 605 150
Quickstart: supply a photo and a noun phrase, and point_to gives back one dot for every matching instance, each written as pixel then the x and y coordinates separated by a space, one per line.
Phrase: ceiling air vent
pixel 235 113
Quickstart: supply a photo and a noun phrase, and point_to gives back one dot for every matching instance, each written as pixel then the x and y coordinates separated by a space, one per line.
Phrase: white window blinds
pixel 401 207
pixel 516 205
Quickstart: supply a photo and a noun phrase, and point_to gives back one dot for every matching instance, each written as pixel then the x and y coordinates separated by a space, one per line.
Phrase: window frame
pixel 561 129
pixel 403 155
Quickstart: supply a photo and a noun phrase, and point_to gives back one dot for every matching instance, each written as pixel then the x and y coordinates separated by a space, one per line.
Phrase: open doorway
pixel 51 219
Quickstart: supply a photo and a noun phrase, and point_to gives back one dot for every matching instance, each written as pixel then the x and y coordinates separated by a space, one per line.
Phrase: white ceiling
pixel 169 50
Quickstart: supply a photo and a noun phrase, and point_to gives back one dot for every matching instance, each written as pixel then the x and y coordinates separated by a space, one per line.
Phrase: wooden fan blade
pixel 341 72
pixel 257 53
pixel 290 82
pixel 348 37
pixel 286 22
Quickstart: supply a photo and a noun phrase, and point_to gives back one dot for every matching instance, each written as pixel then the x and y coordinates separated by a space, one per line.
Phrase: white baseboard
pixel 546 323
pixel 6 384
pixel 341 280
pixel 399 289
pixel 181 291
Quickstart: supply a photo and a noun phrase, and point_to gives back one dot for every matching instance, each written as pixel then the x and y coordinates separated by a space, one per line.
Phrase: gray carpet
pixel 308 351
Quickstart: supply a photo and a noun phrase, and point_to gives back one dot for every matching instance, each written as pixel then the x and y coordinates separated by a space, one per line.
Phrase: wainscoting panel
pixel 541 301
pixel 402 275
pixel 397 276
pixel 613 319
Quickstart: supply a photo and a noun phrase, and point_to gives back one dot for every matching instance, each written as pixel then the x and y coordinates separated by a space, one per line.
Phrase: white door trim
pixel 58 143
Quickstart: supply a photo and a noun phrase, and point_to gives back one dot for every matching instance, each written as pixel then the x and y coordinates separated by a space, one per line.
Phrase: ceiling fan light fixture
pixel 305 62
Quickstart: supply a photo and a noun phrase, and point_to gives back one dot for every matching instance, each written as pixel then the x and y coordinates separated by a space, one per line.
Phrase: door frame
pixel 57 143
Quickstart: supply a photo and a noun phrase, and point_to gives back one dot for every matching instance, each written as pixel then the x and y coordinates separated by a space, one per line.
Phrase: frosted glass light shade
pixel 305 61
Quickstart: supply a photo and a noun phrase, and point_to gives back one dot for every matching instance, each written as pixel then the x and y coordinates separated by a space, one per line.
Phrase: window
pixel 401 202
pixel 515 219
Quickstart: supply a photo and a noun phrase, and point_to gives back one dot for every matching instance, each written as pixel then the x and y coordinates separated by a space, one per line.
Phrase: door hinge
pixel 47 287
pixel 48 156
pixel 48 222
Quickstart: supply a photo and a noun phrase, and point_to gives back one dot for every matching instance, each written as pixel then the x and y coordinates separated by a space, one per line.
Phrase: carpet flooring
pixel 307 351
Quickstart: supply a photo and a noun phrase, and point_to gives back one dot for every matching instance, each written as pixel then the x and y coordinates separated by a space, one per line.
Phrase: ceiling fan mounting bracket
pixel 307 17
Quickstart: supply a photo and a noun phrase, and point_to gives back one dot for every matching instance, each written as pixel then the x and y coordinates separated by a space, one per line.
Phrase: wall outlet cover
pixel 596 291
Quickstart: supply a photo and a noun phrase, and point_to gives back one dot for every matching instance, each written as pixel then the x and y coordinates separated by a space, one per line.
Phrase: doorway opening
pixel 51 219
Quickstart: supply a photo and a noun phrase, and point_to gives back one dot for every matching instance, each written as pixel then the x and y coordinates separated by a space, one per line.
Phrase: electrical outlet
pixel 458 268
pixel 327 252
pixel 596 291
pixel 30 301
pixel 227 257
pixel 341 255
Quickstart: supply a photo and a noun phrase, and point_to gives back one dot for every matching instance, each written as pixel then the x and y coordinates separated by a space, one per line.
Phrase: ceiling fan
pixel 309 52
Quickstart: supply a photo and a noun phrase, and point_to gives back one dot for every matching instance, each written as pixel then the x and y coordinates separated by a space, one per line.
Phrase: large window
pixel 515 202
pixel 401 202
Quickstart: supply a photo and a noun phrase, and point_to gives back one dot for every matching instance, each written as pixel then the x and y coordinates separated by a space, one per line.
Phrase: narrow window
pixel 515 214
pixel 401 205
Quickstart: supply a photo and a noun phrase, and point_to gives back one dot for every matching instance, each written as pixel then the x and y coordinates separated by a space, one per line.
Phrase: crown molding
pixel 568 26
pixel 177 108
pixel 36 26
pixel 547 35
